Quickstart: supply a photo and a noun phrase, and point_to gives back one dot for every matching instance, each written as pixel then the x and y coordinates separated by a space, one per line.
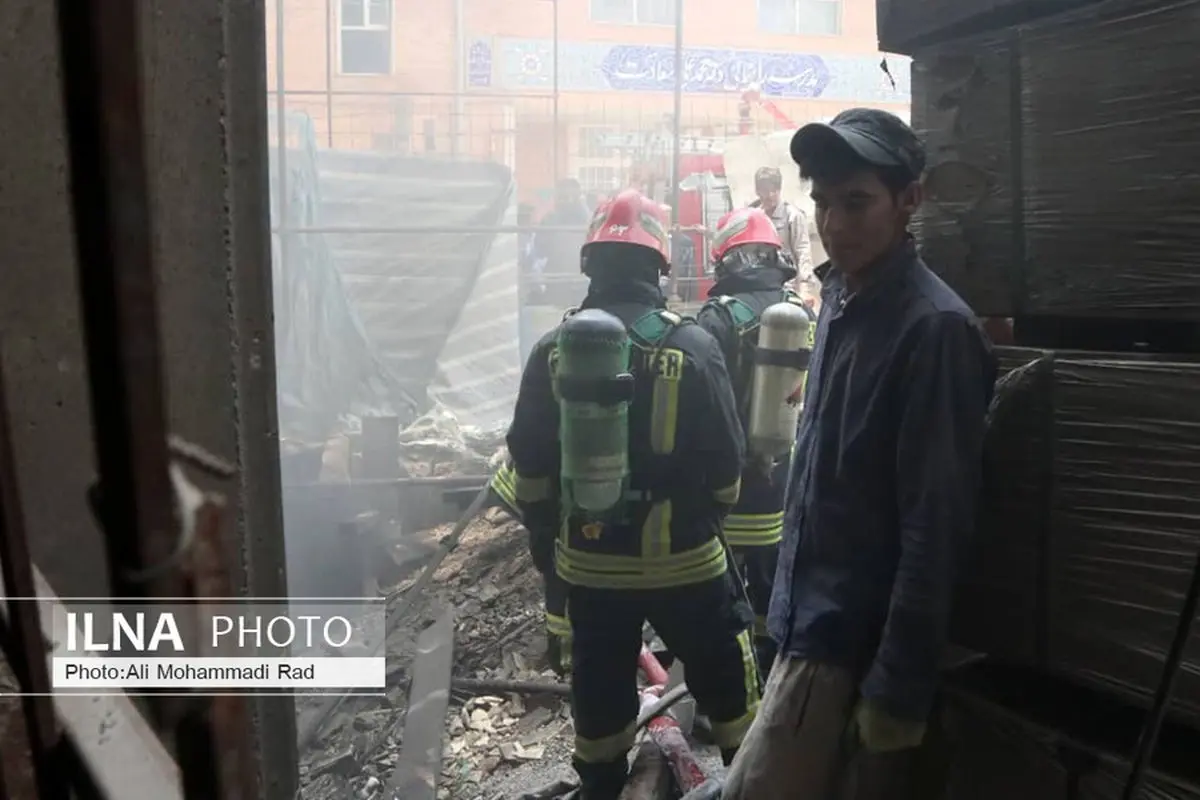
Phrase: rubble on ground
pixel 496 594
pixel 436 444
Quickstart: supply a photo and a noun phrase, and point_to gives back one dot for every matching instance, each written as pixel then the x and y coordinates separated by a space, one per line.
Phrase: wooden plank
pixel 420 763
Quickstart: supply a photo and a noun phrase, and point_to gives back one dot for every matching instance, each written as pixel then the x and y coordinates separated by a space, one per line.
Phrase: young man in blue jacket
pixel 883 485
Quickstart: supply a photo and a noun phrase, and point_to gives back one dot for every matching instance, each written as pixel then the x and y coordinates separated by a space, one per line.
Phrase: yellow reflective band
pixel 600 571
pixel 504 485
pixel 656 531
pixel 754 530
pixel 531 490
pixel 559 626
pixel 750 671
pixel 729 494
pixel 664 404
pixel 610 748
pixel 729 734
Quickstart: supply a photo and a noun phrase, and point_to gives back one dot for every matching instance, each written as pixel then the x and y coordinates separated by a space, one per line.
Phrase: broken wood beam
pixel 420 764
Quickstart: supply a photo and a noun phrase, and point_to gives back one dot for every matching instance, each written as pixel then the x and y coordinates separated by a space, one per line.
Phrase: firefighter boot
pixel 602 781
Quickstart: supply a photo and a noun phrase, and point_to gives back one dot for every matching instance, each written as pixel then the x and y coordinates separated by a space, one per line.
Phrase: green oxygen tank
pixel 594 388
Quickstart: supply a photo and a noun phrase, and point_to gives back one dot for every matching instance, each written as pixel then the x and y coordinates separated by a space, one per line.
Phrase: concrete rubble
pixel 436 445
pixel 496 744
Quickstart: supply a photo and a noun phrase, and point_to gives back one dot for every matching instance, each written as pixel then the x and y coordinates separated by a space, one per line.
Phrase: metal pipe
pixel 463 230
pixel 329 23
pixel 495 95
pixel 281 138
pixel 554 90
pixel 677 133
pixel 460 77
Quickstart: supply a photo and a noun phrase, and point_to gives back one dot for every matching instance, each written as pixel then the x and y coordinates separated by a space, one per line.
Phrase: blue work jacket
pixel 884 480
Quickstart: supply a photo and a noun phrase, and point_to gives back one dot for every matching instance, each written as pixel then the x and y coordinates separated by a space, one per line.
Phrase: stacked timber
pixel 1059 194
pixel 1057 183
pixel 1087 527
pixel 1004 730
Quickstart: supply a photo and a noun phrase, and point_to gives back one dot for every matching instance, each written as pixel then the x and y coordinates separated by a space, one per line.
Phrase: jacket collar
pixel 875 277
pixel 758 280
pixel 603 293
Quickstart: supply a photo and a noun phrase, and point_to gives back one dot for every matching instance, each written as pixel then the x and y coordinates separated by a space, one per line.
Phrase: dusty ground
pixel 495 746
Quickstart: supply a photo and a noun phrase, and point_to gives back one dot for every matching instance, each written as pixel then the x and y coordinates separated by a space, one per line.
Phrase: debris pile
pixel 498 732
pixel 436 444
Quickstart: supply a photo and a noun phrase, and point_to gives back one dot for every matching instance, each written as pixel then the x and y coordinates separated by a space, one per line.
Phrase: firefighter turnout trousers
pixel 702 625
pixel 757 565
pixel 558 625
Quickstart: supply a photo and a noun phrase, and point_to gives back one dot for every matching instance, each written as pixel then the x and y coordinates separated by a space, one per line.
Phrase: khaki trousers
pixel 798 747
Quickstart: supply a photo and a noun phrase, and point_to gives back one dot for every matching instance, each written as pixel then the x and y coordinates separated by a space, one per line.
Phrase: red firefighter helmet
pixel 630 218
pixel 743 226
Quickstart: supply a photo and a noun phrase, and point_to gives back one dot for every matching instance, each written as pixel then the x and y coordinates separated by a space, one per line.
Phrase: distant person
pixel 556 253
pixel 790 223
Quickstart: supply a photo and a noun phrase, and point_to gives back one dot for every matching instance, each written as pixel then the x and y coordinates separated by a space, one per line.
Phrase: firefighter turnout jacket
pixel 686 452
pixel 732 315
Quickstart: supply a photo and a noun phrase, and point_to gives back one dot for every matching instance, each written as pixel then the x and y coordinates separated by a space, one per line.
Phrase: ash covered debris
pixel 495 743
pixel 436 444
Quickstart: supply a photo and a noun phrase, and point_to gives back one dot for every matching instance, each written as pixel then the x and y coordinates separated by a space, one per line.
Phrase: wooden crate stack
pixel 1063 145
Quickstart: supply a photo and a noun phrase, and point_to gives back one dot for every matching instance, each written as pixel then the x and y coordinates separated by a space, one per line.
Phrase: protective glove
pixel 879 732
pixel 541 520
pixel 558 654
pixel 541 550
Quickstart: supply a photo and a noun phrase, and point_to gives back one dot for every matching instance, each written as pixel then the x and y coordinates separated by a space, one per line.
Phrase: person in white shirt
pixel 791 224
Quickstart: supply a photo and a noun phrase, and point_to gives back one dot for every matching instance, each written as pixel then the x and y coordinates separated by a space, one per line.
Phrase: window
pixel 599 179
pixel 634 12
pixel 599 142
pixel 365 37
pixel 801 17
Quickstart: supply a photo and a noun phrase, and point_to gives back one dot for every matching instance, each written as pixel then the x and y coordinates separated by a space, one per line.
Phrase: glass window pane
pixel 379 12
pixel 352 14
pixel 656 12
pixel 618 11
pixel 366 52
pixel 820 17
pixel 777 16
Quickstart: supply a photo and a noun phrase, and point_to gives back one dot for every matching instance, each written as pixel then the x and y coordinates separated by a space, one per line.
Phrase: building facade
pixel 580 88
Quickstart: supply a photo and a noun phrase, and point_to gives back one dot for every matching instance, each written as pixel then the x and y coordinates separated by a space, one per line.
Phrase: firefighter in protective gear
pixel 750 277
pixel 660 559
pixel 558 631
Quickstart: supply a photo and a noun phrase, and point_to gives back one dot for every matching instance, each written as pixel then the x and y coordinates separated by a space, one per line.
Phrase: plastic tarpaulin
pixel 371 323
pixel 326 366
pixel 442 306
